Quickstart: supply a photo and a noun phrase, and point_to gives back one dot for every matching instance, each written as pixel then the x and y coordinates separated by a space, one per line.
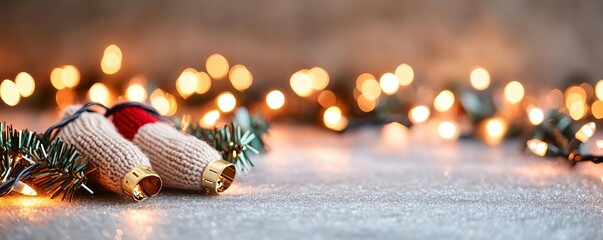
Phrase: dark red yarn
pixel 129 119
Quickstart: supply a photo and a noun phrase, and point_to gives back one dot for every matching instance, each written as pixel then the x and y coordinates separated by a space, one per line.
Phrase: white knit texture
pixel 178 158
pixel 96 137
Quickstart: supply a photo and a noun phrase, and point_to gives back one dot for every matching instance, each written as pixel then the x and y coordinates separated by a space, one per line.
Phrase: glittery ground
pixel 361 185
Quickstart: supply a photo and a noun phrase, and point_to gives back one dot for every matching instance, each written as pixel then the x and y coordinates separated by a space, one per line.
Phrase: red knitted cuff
pixel 129 119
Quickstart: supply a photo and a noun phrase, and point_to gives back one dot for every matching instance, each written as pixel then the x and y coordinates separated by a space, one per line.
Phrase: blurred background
pixel 539 43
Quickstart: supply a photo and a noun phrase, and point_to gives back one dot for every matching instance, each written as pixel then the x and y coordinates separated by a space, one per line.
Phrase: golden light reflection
pixel 99 93
pixel 537 147
pixel 209 119
pixel 301 84
pixel 419 114
pixel 480 78
pixel 514 92
pixel 240 78
pixel 320 78
pixel 112 59
pixel 64 98
pixel 275 99
pixel 448 130
pixel 586 132
pixel 535 115
pixel 496 128
pixel 597 109
pixel 138 223
pixel 327 98
pixel 405 74
pixel 389 83
pixel 71 76
pixel 204 83
pixel 9 92
pixel 217 66
pixel 334 119
pixel 25 83
pixel 226 102
pixel 371 89
pixel 394 134
pixel 186 84
pixel 443 101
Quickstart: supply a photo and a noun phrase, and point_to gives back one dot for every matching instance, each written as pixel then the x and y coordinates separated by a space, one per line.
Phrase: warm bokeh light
pixel 586 132
pixel 136 92
pixel 443 101
pixel 301 84
pixel 597 109
pixel 226 102
pixel 160 102
pixel 496 128
pixel 25 83
pixel 56 78
pixel 209 119
pixel 599 90
pixel 24 189
pixel 389 83
pixel 448 130
pixel 217 66
pixel 366 105
pixel 419 114
pixel 578 110
pixel 275 99
pixel 394 135
pixel 362 78
pixel 371 89
pixel 514 92
pixel 320 78
pixel 537 147
pixel 112 59
pixel 9 92
pixel 187 82
pixel 71 76
pixel 65 98
pixel 240 78
pixel 405 74
pixel 480 78
pixel 99 93
pixel 334 119
pixel 535 115
pixel 204 83
pixel 327 98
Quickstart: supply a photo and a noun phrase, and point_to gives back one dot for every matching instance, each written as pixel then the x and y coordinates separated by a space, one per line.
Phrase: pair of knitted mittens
pixel 124 150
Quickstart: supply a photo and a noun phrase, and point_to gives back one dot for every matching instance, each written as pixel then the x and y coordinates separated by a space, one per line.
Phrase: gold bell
pixel 141 183
pixel 218 176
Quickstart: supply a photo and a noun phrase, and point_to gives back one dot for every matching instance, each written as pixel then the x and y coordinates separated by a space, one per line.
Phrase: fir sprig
pixel 53 166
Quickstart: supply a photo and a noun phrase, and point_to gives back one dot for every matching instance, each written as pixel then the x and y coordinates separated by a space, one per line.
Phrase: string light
pixel 301 84
pixel 9 92
pixel 371 89
pixel 209 119
pixel 496 129
pixel 99 93
pixel 443 101
pixel 334 119
pixel 366 105
pixel 160 102
pixel 320 78
pixel 599 89
pixel 535 115
pixel 56 78
pixel 275 99
pixel 597 109
pixel 514 92
pixel 448 130
pixel 419 114
pixel 405 74
pixel 64 98
pixel 480 78
pixel 217 66
pixel 71 76
pixel 226 102
pixel 361 78
pixel 204 83
pixel 136 92
pixel 538 147
pixel 187 82
pixel 24 189
pixel 327 98
pixel 586 132
pixel 389 83
pixel 240 78
pixel 25 83
pixel 112 59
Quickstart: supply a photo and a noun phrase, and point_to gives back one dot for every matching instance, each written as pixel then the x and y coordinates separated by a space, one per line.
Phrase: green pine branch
pixel 59 169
